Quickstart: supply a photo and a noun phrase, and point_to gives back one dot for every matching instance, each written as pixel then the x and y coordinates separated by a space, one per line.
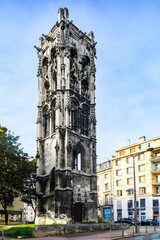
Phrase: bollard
pixel 154 228
pixel 122 231
pixel 146 229
pixel 110 232
pixel 2 234
pixel 133 229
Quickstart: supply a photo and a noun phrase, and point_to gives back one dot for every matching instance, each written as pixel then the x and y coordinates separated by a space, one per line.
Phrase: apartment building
pixel 15 212
pixel 104 188
pixel 147 177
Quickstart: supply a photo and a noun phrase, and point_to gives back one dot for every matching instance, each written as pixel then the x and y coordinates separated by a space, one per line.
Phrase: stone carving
pixel 58 102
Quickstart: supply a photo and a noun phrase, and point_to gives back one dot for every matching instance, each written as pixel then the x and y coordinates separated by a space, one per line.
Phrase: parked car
pixel 149 222
pixel 133 221
pixel 124 220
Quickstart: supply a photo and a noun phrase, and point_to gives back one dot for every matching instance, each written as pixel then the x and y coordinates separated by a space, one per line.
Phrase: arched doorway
pixel 78 212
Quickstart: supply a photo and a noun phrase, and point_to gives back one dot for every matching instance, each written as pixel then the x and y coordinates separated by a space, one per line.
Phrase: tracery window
pixel 74 116
pixel 77 158
pixel 45 67
pixel 52 180
pixel 46 123
pixel 53 116
pixel 84 121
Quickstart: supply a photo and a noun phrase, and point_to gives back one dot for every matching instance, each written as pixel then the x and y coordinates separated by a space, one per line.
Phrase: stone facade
pixel 66 125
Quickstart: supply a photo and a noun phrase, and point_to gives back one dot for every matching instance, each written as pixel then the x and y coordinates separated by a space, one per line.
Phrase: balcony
pixel 155 159
pixel 156 193
pixel 155 170
pixel 156 183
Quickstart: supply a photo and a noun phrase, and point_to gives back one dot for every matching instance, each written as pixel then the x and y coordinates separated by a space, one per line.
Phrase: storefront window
pixel 15 216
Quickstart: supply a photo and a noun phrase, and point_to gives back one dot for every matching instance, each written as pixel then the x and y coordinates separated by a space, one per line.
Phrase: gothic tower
pixel 66 125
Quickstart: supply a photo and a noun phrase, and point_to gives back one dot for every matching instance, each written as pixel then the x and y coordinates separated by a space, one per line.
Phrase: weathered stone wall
pixel 52 230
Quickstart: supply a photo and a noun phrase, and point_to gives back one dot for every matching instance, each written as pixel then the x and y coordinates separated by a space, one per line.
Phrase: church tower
pixel 66 125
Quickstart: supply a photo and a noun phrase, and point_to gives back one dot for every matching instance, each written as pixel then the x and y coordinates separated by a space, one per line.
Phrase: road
pixel 152 236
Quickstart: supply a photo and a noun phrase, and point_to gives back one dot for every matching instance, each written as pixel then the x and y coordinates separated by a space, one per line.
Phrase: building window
pixel 130 191
pixel 155 203
pixel 119 193
pixel 129 170
pixel 118 162
pixel 129 181
pixel 157 178
pixel 106 199
pixel 132 150
pixel 106 186
pixel 142 203
pixel 157 166
pixel 106 176
pixel 119 214
pixel 141 157
pixel 129 159
pixel 119 172
pixel 158 190
pixel 119 183
pixel 142 179
pixel 15 216
pixel 142 190
pixel 155 211
pixel 130 204
pixel 157 154
pixel 141 168
pixel 122 153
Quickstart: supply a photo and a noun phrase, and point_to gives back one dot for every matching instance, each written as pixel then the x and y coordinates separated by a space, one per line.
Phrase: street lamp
pixel 134 177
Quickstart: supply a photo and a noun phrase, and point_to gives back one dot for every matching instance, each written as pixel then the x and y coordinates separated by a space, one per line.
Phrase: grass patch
pixel 19 230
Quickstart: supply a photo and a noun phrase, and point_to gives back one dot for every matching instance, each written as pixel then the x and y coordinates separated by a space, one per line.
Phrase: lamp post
pixel 134 177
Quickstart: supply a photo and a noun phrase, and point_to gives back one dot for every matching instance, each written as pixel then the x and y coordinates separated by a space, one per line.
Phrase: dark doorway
pixel 77 212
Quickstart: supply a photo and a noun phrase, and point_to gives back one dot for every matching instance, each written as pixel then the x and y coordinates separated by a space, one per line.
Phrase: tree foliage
pixel 15 169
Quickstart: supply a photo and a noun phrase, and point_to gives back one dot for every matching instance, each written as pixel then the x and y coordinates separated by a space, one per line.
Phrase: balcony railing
pixel 154 182
pixel 155 158
pixel 155 170
pixel 156 193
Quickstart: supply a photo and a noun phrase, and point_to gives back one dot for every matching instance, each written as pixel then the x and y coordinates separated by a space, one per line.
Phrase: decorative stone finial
pixel 63 14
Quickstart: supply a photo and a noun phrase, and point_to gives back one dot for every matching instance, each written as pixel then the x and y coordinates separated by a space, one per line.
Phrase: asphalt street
pixel 153 236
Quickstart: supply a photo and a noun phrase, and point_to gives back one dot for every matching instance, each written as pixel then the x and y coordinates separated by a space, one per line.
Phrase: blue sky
pixel 128 66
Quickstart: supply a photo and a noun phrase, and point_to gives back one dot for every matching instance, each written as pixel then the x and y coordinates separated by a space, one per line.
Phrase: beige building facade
pixel 105 191
pixel 15 211
pixel 147 176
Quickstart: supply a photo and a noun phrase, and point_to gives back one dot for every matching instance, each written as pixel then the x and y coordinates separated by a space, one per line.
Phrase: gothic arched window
pixel 52 180
pixel 84 121
pixel 74 115
pixel 79 158
pixel 84 85
pixel 53 116
pixel 45 67
pixel 46 122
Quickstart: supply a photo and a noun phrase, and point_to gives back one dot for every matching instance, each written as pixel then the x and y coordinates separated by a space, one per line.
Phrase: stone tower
pixel 66 125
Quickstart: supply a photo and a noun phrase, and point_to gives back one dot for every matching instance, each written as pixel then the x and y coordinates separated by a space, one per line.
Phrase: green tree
pixel 15 168
pixel 29 186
